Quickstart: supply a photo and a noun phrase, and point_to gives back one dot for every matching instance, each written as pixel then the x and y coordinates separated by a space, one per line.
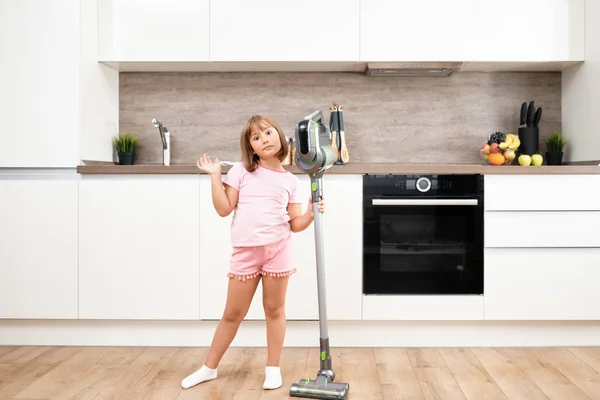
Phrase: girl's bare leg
pixel 239 298
pixel 274 291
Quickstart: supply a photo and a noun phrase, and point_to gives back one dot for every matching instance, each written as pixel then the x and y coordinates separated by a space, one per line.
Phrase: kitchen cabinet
pixel 422 308
pixel 526 30
pixel 424 30
pixel 158 35
pixel 541 249
pixel 139 247
pixel 542 192
pixel 153 30
pixel 270 30
pixel 542 229
pixel 542 284
pixel 39 81
pixel 342 234
pixel 215 250
pixel 472 31
pixel 38 247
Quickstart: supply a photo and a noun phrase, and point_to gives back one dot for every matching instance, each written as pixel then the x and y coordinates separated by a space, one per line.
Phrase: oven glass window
pixel 422 242
pixel 423 250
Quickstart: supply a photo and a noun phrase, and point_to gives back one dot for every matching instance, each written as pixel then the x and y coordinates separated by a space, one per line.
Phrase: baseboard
pixel 302 333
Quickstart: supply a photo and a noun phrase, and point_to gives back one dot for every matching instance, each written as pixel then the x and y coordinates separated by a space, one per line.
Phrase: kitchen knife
pixel 523 119
pixel 537 117
pixel 530 113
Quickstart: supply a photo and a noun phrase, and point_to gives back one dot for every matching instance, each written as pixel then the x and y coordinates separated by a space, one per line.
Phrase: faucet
pixel 165 137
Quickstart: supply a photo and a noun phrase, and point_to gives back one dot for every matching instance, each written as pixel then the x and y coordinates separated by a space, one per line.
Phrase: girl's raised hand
pixel 206 165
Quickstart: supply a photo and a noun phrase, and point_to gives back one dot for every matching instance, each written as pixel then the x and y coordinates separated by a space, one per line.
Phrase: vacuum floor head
pixel 311 389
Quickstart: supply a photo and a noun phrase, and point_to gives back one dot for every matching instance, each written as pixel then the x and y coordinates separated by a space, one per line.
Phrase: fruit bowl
pixel 500 157
pixel 500 148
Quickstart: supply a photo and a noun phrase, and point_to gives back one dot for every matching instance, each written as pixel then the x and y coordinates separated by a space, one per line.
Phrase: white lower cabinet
pixel 424 308
pixel 541 229
pixel 38 248
pixel 542 284
pixel 342 223
pixel 139 248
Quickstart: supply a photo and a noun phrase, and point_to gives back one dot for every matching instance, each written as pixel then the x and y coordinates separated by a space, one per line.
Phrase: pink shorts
pixel 273 259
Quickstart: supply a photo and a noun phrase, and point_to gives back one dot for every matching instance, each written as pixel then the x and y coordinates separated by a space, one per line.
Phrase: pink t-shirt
pixel 261 215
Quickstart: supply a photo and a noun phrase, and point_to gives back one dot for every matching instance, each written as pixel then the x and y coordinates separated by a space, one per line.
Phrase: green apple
pixel 537 160
pixel 524 160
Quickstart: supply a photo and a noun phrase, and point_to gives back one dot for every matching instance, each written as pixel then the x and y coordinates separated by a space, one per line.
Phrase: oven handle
pixel 425 202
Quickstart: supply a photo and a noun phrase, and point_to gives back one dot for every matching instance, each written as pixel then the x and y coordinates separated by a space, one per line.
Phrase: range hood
pixel 412 69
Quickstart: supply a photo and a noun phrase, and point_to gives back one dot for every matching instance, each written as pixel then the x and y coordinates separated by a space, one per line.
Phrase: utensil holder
pixel 529 137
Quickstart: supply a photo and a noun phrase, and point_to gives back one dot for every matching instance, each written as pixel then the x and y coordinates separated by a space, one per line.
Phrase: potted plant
pixel 125 146
pixel 555 144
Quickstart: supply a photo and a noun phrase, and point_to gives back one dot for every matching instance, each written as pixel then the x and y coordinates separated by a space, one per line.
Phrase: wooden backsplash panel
pixel 402 120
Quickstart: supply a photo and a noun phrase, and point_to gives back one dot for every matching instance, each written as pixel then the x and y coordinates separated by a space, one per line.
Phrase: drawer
pixel 542 284
pixel 542 192
pixel 424 308
pixel 541 229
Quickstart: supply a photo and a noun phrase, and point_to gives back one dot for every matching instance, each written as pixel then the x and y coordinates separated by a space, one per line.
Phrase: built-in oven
pixel 423 234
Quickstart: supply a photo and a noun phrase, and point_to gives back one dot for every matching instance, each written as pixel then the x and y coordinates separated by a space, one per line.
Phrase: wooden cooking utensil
pixel 333 126
pixel 344 154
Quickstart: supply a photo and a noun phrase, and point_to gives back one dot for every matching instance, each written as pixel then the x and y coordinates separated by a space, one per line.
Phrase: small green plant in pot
pixel 125 146
pixel 555 144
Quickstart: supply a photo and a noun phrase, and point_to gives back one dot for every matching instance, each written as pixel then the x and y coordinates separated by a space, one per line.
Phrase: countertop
pixel 591 167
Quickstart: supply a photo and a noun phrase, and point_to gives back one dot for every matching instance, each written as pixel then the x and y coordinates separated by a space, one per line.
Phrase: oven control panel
pixel 391 184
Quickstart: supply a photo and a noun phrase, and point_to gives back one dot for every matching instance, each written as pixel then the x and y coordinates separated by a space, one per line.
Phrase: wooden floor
pixel 100 373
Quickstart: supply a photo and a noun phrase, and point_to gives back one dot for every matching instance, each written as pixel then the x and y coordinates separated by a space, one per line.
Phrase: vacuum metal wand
pixel 314 155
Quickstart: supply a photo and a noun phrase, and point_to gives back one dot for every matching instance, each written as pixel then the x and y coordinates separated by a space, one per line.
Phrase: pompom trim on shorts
pixel 263 273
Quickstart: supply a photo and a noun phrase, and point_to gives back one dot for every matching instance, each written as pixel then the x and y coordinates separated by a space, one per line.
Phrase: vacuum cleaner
pixel 314 155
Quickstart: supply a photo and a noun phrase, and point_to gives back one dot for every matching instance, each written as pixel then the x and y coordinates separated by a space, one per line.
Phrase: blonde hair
pixel 259 122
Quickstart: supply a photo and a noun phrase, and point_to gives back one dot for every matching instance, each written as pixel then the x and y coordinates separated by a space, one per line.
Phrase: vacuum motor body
pixel 314 153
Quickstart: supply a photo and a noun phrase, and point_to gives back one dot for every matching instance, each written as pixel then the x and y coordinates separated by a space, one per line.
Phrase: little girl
pixel 266 201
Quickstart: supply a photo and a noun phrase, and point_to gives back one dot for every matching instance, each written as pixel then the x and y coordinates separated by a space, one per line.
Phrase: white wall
pixel 581 94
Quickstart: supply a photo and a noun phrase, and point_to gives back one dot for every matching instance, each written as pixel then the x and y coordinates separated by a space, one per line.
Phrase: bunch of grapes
pixel 497 137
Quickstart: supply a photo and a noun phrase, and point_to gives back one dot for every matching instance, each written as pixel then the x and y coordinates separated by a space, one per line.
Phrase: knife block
pixel 529 137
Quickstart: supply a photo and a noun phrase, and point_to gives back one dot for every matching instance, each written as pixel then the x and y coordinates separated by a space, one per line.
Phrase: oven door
pixel 423 245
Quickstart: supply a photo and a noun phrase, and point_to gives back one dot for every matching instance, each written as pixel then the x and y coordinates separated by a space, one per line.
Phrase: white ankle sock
pixel 203 374
pixel 272 378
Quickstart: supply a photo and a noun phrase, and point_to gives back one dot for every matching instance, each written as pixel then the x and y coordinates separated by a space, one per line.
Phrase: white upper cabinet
pixel 472 30
pixel 340 32
pixel 271 30
pixel 153 30
pixel 528 30
pixel 39 81
pixel 408 30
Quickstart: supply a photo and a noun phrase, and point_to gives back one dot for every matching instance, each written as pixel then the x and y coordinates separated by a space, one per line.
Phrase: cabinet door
pixel 215 250
pixel 138 250
pixel 407 30
pixel 342 236
pixel 541 229
pixel 270 30
pixel 528 30
pixel 542 284
pixel 39 81
pixel 215 253
pixel 153 30
pixel 38 248
pixel 343 228
pixel 540 192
